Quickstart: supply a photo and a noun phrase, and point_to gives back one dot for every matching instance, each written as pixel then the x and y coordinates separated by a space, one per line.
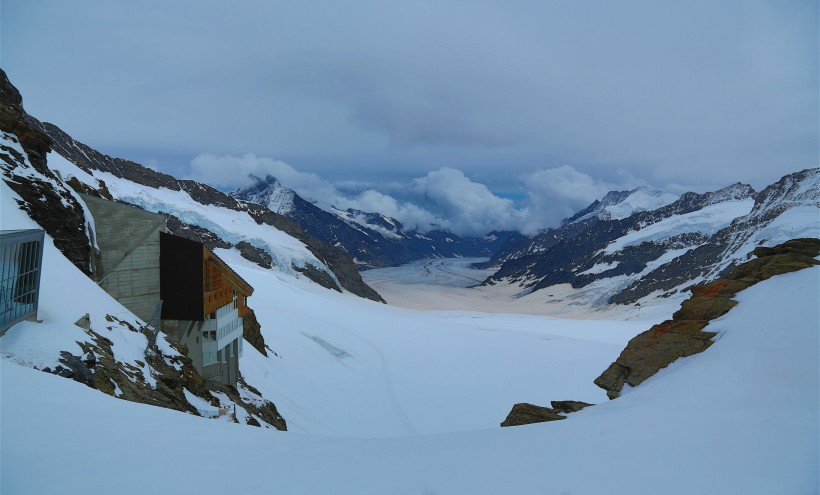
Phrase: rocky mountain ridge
pixel 342 270
pixel 692 239
pixel 374 240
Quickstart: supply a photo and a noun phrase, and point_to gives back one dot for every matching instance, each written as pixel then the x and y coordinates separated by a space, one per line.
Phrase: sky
pixel 476 115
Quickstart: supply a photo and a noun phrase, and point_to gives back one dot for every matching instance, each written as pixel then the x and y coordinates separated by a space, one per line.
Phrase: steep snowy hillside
pixel 204 213
pixel 195 210
pixel 83 334
pixel 741 417
pixel 373 239
pixel 617 205
pixel 660 252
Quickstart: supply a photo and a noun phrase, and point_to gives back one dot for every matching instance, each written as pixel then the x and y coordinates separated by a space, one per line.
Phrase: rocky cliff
pixel 53 205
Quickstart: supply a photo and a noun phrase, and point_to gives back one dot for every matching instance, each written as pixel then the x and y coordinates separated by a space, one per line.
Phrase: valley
pixel 387 357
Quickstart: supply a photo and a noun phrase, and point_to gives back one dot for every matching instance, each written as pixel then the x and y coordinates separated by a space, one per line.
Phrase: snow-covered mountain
pixel 201 212
pixel 372 239
pixel 387 400
pixel 342 382
pixel 617 205
pixel 621 259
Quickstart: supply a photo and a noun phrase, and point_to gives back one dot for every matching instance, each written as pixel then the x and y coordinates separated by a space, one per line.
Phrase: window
pixel 21 253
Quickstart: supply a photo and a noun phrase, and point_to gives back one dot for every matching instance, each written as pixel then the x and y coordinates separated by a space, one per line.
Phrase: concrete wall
pixel 128 263
pixel 134 282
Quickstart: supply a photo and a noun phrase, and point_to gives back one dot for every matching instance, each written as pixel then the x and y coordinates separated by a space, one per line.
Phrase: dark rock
pixel 254 254
pixel 318 276
pixel 251 331
pixel 75 369
pixel 89 359
pixel 253 422
pixel 195 233
pixel 524 414
pixel 45 198
pixel 259 407
pixel 569 406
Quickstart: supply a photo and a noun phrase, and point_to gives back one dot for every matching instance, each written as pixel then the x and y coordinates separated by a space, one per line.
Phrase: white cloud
pixel 443 199
pixel 556 193
pixel 233 172
pixel 470 207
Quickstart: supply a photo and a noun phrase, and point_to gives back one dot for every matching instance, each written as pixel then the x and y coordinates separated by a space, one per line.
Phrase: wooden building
pixel 204 302
pixel 174 284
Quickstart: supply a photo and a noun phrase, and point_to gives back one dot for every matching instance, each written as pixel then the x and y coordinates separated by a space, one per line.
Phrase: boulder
pixel 524 413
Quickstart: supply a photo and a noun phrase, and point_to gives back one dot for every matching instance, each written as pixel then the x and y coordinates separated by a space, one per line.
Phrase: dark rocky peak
pixel 45 197
pixel 260 189
pixel 597 206
pixel 88 159
pixel 376 219
pixel 269 192
pixel 794 189
pixel 207 195
pixel 736 191
pixel 10 97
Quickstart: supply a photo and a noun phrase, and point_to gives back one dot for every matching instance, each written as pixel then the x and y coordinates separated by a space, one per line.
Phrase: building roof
pixel 238 282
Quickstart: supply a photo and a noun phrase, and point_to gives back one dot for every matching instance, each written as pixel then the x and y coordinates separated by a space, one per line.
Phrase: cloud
pixel 470 207
pixel 233 172
pixel 444 199
pixel 692 93
pixel 557 193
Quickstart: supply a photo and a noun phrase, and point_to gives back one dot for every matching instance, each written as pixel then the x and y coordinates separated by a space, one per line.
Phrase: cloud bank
pixel 692 92
pixel 445 199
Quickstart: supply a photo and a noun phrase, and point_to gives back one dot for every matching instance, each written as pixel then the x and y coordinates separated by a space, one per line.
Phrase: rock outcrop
pixel 524 413
pixel 683 335
pixel 46 199
pixel 252 331
pixel 164 380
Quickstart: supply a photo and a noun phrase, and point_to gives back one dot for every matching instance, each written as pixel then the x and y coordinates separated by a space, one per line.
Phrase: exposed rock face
pixel 251 331
pixel 209 239
pixel 262 408
pixel 800 189
pixel 682 336
pixel 569 253
pixel 46 199
pixel 254 254
pixel 524 413
pixel 171 377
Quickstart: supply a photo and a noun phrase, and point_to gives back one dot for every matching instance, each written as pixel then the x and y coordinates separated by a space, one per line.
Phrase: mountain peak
pixel 268 192
pixel 616 205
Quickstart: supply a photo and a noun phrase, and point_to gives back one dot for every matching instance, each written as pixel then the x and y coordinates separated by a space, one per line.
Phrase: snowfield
pixel 739 418
pixel 388 400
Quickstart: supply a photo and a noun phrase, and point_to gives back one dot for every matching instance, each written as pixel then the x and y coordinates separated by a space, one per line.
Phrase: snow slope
pixel 706 221
pixel 741 417
pixel 380 371
pixel 230 225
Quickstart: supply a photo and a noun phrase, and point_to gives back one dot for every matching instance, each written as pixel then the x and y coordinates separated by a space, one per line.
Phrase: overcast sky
pixel 470 114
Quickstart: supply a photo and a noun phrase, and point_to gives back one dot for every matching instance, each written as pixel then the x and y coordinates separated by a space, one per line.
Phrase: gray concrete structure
pixel 127 266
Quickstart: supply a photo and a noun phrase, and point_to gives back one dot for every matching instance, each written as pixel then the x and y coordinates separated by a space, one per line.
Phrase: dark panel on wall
pixel 180 278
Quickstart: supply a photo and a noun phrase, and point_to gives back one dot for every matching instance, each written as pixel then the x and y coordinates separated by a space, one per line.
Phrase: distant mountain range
pixel 634 244
pixel 372 239
pixel 625 247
